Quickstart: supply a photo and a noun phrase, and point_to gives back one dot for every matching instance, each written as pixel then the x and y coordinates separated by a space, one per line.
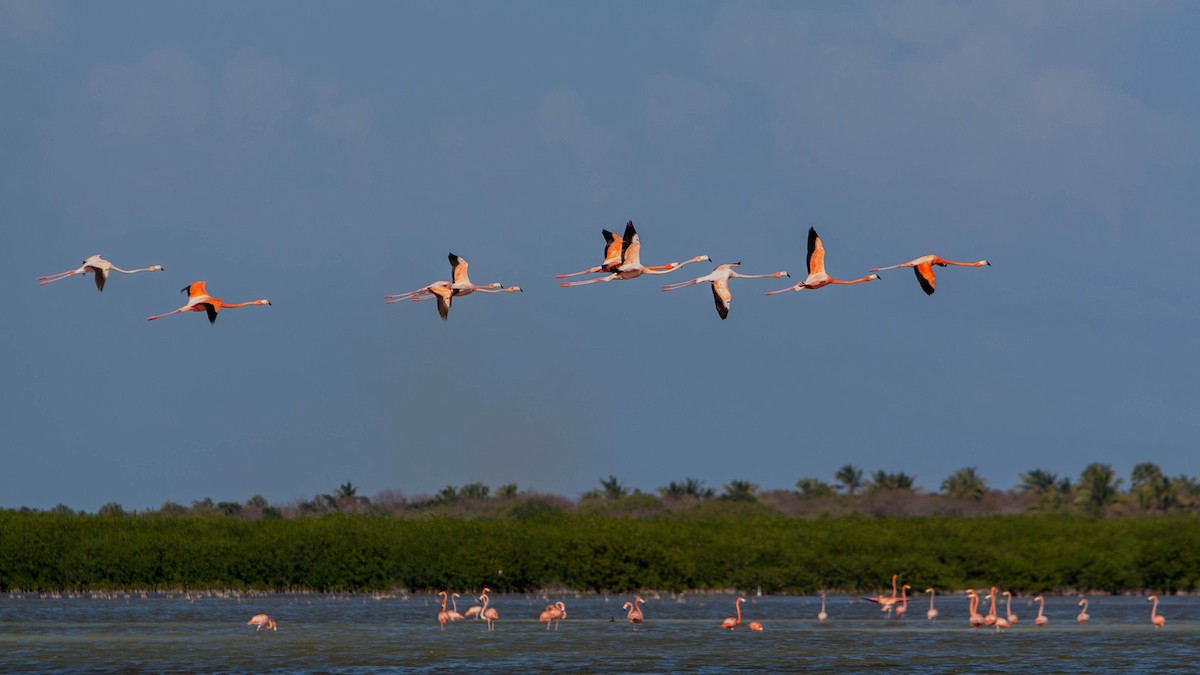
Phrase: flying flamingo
pixel 719 278
pixel 755 626
pixel 730 621
pixel 1083 617
pixel 262 621
pixel 822 615
pixel 1155 618
pixel 932 613
pixel 454 615
pixel 613 247
pixel 817 278
pixel 443 616
pixel 200 301
pixel 1041 619
pixel 635 611
pixel 488 614
pixel 631 266
pixel 445 291
pixel 923 267
pixel 98 266
pixel 1012 618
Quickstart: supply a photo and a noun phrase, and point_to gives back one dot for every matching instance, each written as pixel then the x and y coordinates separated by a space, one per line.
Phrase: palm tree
pixel 812 487
pixel 507 491
pixel 474 490
pixel 849 477
pixel 1038 482
pixel 612 488
pixel 740 490
pixel 690 487
pixel 965 484
pixel 1151 487
pixel 1098 487
pixel 882 480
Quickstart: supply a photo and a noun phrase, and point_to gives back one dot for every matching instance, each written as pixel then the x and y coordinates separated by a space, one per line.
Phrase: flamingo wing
pixel 816 253
pixel 631 253
pixel 101 277
pixel 722 297
pixel 444 295
pixel 212 311
pixel 458 266
pixel 924 272
pixel 613 245
pixel 194 289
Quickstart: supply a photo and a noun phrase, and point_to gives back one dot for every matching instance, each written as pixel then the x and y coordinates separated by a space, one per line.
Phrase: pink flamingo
pixel 989 619
pixel 547 616
pixel 976 619
pixel 1155 618
pixel 445 291
pixel 488 614
pixel 454 615
pixel 261 621
pixel 755 626
pixel 613 248
pixel 730 621
pixel 821 616
pixel 631 266
pixel 719 278
pixel 932 613
pixel 443 616
pixel 635 611
pixel 923 267
pixel 1012 618
pixel 474 610
pixel 200 301
pixel 1041 619
pixel 817 278
pixel 902 608
pixel 98 266
pixel 1083 617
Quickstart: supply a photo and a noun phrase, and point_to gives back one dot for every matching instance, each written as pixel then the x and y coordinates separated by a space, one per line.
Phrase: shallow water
pixel 361 633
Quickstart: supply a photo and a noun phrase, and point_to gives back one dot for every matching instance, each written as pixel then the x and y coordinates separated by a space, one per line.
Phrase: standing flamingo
pixel 1012 618
pixel 976 619
pixel 613 247
pixel 200 301
pixel 488 614
pixel 547 616
pixel 560 612
pixel 902 608
pixel 719 278
pixel 261 621
pixel 996 620
pixel 755 626
pixel 635 612
pixel 932 613
pixel 730 621
pixel 454 615
pixel 887 602
pixel 821 616
pixel 443 616
pixel 1155 618
pixel 1041 619
pixel 98 266
pixel 1083 617
pixel 989 619
pixel 923 267
pixel 817 278
pixel 474 610
pixel 631 266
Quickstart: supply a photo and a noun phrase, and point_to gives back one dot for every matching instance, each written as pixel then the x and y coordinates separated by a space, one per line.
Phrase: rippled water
pixel 358 633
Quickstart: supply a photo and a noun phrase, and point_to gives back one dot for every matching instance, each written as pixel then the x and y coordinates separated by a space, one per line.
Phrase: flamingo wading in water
pixel 932 613
pixel 1083 617
pixel 486 613
pixel 261 621
pixel 200 301
pixel 1041 619
pixel 443 616
pixel 631 266
pixel 821 616
pixel 923 267
pixel 1012 618
pixel 1155 618
pixel 98 266
pixel 635 611
pixel 719 278
pixel 454 615
pixel 730 621
pixel 817 278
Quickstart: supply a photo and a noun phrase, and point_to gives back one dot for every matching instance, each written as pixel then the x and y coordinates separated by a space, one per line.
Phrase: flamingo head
pixel 1039 598
pixel 928 590
pixel 515 289
pixel 984 263
pixel 156 268
pixel 626 605
pixel 1082 602
pixel 1153 597
pixel 782 274
pixel 702 258
pixel 874 276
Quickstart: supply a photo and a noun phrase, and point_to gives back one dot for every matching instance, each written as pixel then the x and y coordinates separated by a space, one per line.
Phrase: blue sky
pixel 323 155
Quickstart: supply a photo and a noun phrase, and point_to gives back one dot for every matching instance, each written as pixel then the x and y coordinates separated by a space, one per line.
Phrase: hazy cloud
pixel 164 92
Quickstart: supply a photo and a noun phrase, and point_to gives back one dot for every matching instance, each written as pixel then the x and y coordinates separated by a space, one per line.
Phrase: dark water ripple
pixel 363 634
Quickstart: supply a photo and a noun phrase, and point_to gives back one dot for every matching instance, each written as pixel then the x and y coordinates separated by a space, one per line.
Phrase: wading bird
pixel 474 610
pixel 443 616
pixel 98 266
pixel 631 266
pixel 821 616
pixel 719 278
pixel 976 619
pixel 1083 617
pixel 932 613
pixel 887 602
pixel 755 626
pixel 635 612
pixel 730 621
pixel 1012 618
pixel 923 267
pixel 454 615
pixel 1041 619
pixel 486 613
pixel 261 621
pixel 200 301
pixel 902 608
pixel 817 278
pixel 1155 618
